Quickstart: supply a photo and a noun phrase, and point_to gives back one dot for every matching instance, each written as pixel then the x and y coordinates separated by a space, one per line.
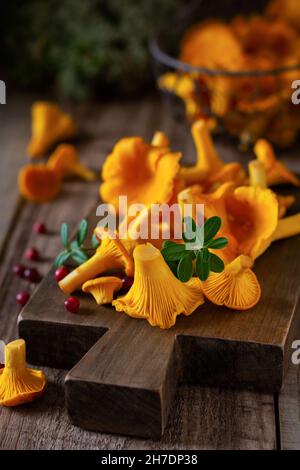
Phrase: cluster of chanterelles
pixel 149 173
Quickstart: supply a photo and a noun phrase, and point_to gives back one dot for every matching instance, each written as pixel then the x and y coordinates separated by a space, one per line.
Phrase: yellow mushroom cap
pixel 49 125
pixel 156 294
pixel 103 288
pixel 111 254
pixel 19 384
pixel 144 173
pixel 236 287
pixel 38 183
pixel 65 162
pixel 277 173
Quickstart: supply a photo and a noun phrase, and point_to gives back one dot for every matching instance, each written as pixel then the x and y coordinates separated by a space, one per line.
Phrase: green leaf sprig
pixel 197 244
pixel 74 249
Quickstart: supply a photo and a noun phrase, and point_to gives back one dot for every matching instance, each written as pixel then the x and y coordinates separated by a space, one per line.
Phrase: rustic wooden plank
pixel 44 424
pixel 289 411
pixel 201 418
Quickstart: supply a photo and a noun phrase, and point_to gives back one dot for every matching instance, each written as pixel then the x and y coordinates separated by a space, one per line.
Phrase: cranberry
pixel 32 254
pixel 127 282
pixel 22 297
pixel 19 270
pixel 60 273
pixel 32 275
pixel 39 227
pixel 72 304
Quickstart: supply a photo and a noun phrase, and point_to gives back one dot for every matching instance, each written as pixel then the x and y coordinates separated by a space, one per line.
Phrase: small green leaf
pixel 78 256
pixel 218 243
pixel 173 251
pixel 173 266
pixel 185 267
pixel 203 264
pixel 95 242
pixel 74 245
pixel 211 228
pixel 82 232
pixel 189 235
pixel 216 263
pixel 64 234
pixel 62 258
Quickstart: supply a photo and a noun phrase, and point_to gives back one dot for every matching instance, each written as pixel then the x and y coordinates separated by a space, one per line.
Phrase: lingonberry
pixel 61 272
pixel 19 270
pixel 22 297
pixel 32 275
pixel 39 227
pixel 32 254
pixel 72 304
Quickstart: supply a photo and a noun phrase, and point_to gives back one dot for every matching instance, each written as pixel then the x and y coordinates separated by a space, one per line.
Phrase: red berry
pixel 32 275
pixel 72 304
pixel 60 273
pixel 19 270
pixel 39 227
pixel 22 297
pixel 32 254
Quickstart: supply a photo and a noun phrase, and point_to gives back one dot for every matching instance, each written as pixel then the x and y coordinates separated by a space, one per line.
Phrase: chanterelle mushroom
pixel 49 126
pixel 156 294
pixel 111 254
pixel 103 288
pixel 19 384
pixel 277 173
pixel 65 162
pixel 236 287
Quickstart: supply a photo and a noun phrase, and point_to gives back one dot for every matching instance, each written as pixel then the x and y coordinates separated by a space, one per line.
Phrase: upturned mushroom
pixel 156 294
pixel 19 384
pixel 112 254
pixel 38 183
pixel 276 171
pixel 103 288
pixel 49 126
pixel 65 162
pixel 143 172
pixel 236 287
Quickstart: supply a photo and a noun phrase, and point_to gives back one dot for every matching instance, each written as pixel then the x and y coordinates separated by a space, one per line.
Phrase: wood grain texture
pixel 202 418
pixel 289 411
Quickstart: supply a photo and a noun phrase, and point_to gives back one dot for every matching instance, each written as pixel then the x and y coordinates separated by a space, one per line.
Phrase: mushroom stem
pixel 83 172
pixel 208 159
pixel 287 227
pixel 15 355
pixel 240 263
pixel 257 174
pixel 160 139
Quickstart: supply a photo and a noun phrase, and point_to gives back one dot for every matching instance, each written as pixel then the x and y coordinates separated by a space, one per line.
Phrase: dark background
pixel 77 49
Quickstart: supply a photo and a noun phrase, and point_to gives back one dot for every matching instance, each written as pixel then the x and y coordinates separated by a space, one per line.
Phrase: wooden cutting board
pixel 124 373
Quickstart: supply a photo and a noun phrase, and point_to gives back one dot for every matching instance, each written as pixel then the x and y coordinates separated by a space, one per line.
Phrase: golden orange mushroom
pixel 49 126
pixel 19 384
pixel 236 287
pixel 111 254
pixel 38 183
pixel 103 288
pixel 276 171
pixel 143 172
pixel 65 162
pixel 156 294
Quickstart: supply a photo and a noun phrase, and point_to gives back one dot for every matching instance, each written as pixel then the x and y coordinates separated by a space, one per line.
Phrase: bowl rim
pixel 171 62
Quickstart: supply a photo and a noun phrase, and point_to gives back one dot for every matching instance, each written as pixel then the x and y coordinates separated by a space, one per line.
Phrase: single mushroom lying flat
pixel 236 287
pixel 156 294
pixel 19 384
pixel 276 171
pixel 65 162
pixel 112 254
pixel 103 288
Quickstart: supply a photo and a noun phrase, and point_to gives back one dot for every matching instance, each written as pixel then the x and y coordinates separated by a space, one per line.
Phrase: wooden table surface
pixel 202 418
